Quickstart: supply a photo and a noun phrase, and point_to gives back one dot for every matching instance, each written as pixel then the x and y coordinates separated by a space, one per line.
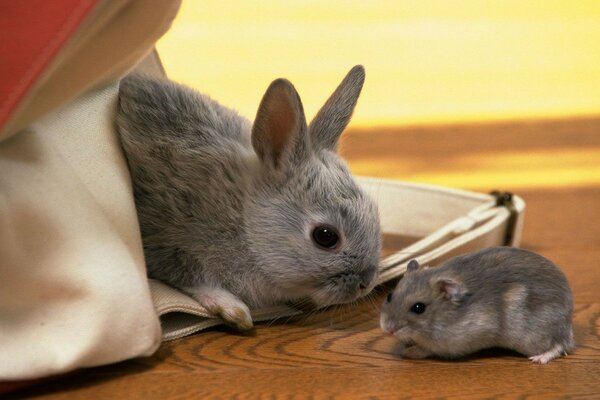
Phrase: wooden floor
pixel 342 353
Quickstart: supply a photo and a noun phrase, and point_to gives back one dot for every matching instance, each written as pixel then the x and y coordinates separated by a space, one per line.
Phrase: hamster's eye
pixel 389 297
pixel 418 308
pixel 325 237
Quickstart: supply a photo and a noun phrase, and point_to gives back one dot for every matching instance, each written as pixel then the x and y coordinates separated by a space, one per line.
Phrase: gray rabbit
pixel 496 297
pixel 242 215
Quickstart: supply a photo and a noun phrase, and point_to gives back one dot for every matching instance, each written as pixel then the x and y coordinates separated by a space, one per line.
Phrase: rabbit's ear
pixel 279 130
pixel 331 120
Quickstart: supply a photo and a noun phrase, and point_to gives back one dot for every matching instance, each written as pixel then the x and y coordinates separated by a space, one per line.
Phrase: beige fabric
pixel 449 221
pixel 115 35
pixel 73 287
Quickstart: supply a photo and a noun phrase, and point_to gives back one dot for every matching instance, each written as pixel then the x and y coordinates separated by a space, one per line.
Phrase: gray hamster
pixel 245 215
pixel 497 297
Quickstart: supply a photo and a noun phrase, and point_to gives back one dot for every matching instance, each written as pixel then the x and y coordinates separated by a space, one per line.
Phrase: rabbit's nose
pixel 366 278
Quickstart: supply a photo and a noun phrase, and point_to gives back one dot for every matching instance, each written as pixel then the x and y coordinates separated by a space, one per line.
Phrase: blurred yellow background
pixel 428 62
pixel 433 61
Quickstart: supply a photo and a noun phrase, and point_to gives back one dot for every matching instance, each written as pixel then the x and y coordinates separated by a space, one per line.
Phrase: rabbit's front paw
pixel 224 304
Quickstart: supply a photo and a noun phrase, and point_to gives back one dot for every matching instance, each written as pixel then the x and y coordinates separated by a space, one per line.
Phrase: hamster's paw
pixel 548 356
pixel 224 304
pixel 414 351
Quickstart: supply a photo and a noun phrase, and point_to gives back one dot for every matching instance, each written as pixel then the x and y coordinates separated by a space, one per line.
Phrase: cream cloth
pixel 73 287
pixel 73 284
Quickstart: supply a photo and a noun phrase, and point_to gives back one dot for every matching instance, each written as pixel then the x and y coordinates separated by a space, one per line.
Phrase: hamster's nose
pixel 388 326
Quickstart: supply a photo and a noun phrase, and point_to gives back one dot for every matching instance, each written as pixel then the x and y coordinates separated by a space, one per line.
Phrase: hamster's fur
pixel 497 297
pixel 228 209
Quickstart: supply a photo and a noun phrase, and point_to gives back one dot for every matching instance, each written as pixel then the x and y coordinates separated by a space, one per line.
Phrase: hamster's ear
pixel 449 288
pixel 279 130
pixel 331 120
pixel 413 265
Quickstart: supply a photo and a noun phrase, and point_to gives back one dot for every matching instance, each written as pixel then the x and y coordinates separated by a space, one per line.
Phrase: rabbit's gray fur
pixel 226 207
pixel 496 297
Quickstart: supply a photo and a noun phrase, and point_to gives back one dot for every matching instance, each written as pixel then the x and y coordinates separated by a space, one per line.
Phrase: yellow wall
pixel 426 61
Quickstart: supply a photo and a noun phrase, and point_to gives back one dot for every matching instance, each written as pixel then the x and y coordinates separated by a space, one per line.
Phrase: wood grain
pixel 341 352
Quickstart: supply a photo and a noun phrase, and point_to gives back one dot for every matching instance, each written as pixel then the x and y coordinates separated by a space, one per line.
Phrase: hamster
pixel 497 297
pixel 245 215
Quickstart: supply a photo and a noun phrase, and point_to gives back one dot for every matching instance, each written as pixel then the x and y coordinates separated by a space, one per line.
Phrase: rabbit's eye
pixel 418 308
pixel 326 237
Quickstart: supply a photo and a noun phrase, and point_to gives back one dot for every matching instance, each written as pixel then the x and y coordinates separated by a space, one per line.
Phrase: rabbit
pixel 496 297
pixel 242 216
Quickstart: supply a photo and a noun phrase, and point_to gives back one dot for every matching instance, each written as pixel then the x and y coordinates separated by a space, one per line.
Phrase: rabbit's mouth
pixel 331 293
pixel 353 284
pixel 338 289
